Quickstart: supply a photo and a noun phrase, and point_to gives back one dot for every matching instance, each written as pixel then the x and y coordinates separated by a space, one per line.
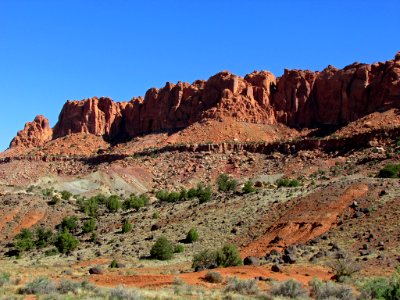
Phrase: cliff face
pixel 298 99
pixel 34 134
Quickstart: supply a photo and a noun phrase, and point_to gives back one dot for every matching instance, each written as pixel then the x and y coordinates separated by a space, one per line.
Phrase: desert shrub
pixel 155 215
pixel 326 290
pixel 39 286
pixel 225 183
pixel 192 193
pixel 203 193
pixel 173 197
pixel 68 223
pixel 51 252
pixel 192 236
pixel 226 257
pixel 287 182
pixel 162 195
pixel 67 286
pixel 245 287
pixel 121 293
pixel 382 288
pixel 135 202
pixel 113 203
pixel 90 206
pixel 25 240
pixel 65 195
pixel 54 200
pixel 344 268
pixel 126 226
pixel 183 194
pixel 114 264
pixel 89 225
pixel 231 256
pixel 65 242
pixel 4 279
pixel 289 288
pixel 248 187
pixel 390 171
pixel 213 277
pixel 163 249
pixel 179 248
pixel 48 192
pixel 206 259
pixel 43 237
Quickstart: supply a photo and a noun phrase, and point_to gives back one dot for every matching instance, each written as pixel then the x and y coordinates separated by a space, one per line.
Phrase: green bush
pixel 65 242
pixel 90 206
pixel 163 249
pixel 382 288
pixel 248 187
pixel 135 202
pixel 126 226
pixel 68 223
pixel 114 264
pixel 43 237
pixel 113 203
pixel 390 171
pixel 204 193
pixel 89 225
pixel 192 236
pixel 287 182
pixel 162 195
pixel 65 195
pixel 231 256
pixel 51 252
pixel 226 257
pixel 25 240
pixel 179 248
pixel 225 183
pixel 206 259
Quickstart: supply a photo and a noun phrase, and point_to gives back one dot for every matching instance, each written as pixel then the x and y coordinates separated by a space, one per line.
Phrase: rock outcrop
pixel 34 134
pixel 300 98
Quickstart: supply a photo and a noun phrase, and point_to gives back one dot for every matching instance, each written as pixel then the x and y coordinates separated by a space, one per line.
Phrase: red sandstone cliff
pixel 34 134
pixel 298 99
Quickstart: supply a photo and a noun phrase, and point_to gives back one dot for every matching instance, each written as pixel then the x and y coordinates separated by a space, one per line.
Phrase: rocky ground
pixel 340 209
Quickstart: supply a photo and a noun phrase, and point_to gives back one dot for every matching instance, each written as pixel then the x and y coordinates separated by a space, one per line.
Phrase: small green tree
pixel 225 183
pixel 24 240
pixel 43 237
pixel 65 242
pixel 390 171
pixel 163 249
pixel 89 225
pixel 248 187
pixel 113 203
pixel 204 193
pixel 192 236
pixel 69 223
pixel 65 195
pixel 135 202
pixel 179 248
pixel 231 256
pixel 90 207
pixel 126 226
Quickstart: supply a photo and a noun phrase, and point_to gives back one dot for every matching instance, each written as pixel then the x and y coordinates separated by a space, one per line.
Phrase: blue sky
pixel 52 51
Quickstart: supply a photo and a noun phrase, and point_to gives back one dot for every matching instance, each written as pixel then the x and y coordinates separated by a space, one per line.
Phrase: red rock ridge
pixel 297 99
pixel 34 134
